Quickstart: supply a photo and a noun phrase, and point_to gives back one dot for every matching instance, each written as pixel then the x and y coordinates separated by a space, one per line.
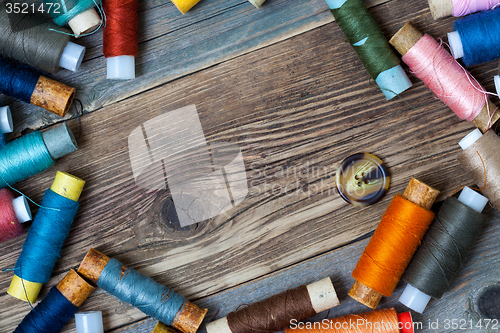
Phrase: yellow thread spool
pixel 185 5
pixel 71 188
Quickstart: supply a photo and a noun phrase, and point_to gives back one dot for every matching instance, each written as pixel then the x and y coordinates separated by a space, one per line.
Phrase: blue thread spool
pixel 29 85
pixel 80 15
pixel 46 236
pixel 58 307
pixel 150 297
pixel 477 37
pixel 33 153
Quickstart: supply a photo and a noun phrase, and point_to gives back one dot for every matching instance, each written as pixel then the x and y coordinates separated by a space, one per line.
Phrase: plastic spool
pixel 121 67
pixel 89 322
pixel 414 298
pixel 470 139
pixel 6 123
pixel 22 209
pixel 456 46
pixel 497 84
pixel 72 56
pixel 85 22
pixel 257 3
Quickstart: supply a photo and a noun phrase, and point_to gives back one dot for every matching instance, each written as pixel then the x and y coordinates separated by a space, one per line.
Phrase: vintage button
pixel 362 179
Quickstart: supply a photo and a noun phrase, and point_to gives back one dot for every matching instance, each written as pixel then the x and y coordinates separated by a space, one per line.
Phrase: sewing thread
pixel 121 36
pixel 9 224
pixel 466 7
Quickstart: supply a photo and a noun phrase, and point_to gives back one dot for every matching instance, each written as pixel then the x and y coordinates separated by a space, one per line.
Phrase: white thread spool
pixel 89 322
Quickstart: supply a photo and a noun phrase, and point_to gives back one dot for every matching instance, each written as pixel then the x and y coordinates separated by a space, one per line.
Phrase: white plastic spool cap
pixel 89 322
pixel 6 124
pixel 22 209
pixel 497 84
pixel 121 67
pixel 456 46
pixel 414 299
pixel 470 139
pixel 72 56
pixel 473 199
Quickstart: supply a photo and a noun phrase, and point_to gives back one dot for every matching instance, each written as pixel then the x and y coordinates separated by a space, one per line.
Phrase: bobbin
pixel 441 8
pixel 85 22
pixel 406 38
pixel 416 299
pixel 89 322
pixel 71 188
pixel 321 293
pixel 53 96
pixel 162 328
pixel 185 5
pixel 257 3
pixel 187 321
pixel 419 194
pixel 59 141
pixel 22 209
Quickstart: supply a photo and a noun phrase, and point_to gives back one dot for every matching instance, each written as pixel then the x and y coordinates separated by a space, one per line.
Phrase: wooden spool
pixel 53 96
pixel 74 288
pixel 421 195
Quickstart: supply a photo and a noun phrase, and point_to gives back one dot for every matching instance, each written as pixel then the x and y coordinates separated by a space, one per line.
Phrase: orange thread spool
pixel 378 321
pixel 393 244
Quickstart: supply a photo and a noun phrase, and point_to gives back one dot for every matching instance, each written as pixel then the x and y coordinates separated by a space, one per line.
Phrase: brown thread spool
pixel 484 149
pixel 421 195
pixel 53 96
pixel 274 314
pixel 406 38
pixel 188 320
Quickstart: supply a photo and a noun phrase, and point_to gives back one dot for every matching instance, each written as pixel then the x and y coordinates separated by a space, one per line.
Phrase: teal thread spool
pixel 46 236
pixel 80 15
pixel 371 46
pixel 33 153
pixel 152 298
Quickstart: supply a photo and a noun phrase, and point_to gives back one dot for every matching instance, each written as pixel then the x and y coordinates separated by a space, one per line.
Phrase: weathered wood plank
pixel 458 303
pixel 302 104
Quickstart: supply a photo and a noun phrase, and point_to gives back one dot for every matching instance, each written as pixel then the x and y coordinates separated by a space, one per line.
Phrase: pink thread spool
pixel 447 79
pixel 457 8
pixel 13 212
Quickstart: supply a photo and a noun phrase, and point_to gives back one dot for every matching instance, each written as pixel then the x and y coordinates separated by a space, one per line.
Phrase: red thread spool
pixel 121 38
pixel 13 212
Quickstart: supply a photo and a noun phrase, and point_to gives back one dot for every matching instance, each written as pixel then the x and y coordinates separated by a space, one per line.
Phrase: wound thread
pixel 445 248
pixel 68 9
pixel 392 246
pixel 465 7
pixel 121 36
pixel 9 224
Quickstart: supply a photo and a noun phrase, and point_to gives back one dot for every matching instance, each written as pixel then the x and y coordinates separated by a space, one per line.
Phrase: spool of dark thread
pixel 479 148
pixel 58 307
pixel 31 86
pixel 30 39
pixel 33 153
pixel 275 313
pixel 155 300
pixel 444 249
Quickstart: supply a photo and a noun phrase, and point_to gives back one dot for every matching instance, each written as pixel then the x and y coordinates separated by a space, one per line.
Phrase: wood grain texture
pixel 296 109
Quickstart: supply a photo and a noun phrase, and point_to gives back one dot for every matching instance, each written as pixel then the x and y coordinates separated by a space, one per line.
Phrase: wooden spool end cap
pixel 440 8
pixel 53 96
pixel 322 294
pixel 484 120
pixel 257 3
pixel 75 288
pixel 365 295
pixel 68 186
pixel 420 194
pixel 190 318
pixel 406 38
pixel 92 266
pixel 162 328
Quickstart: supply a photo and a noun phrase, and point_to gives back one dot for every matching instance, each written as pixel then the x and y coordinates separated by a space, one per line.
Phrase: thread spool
pixel 477 148
pixel 46 236
pixel 444 249
pixel 33 153
pixel 386 320
pixel 6 124
pixel 393 244
pixel 13 212
pixel 257 3
pixel 476 38
pixel 497 84
pixel 371 45
pixel 58 307
pixel 31 40
pixel 30 86
pixel 155 300
pixel 275 313
pixel 89 322
pixel 457 8
pixel 441 73
pixel 121 38
pixel 162 328
pixel 80 15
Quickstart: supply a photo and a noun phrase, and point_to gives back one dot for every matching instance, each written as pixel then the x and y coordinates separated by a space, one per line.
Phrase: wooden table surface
pixel 283 85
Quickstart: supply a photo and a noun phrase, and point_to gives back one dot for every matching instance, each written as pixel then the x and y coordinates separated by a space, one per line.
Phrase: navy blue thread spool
pixel 58 307
pixel 150 297
pixel 31 86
